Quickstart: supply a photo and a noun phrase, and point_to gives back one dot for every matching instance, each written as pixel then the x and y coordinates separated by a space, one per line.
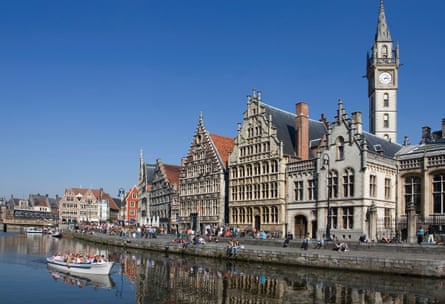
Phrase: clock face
pixel 385 78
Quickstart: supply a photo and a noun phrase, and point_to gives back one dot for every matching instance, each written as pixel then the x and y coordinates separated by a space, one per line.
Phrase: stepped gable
pixel 284 122
pixel 224 146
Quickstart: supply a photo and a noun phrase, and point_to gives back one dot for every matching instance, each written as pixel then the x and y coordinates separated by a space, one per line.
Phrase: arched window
pixel 385 120
pixel 234 215
pixel 386 100
pixel 340 148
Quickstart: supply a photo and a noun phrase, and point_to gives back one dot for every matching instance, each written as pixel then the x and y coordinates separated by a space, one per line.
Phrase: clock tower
pixel 382 74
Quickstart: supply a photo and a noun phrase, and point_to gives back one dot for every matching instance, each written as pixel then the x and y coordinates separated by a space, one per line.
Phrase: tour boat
pixel 33 230
pixel 80 268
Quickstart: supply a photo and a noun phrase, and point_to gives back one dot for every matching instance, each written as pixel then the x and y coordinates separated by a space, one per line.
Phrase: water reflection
pixel 84 280
pixel 176 279
pixel 149 277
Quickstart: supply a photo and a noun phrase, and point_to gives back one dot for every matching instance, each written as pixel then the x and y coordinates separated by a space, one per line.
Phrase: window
pixel 332 184
pixel 334 218
pixel 372 186
pixel 340 148
pixel 412 192
pixel 386 100
pixel 299 191
pixel 439 193
pixel 348 217
pixel 274 215
pixel 234 215
pixel 387 188
pixel 387 218
pixel 348 183
pixel 265 215
pixel 311 189
pixel 385 120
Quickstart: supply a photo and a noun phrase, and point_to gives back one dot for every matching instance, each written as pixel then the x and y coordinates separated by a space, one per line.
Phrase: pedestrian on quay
pixel 420 234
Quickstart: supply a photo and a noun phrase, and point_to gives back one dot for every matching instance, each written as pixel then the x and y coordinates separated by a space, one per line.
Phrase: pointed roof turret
pixel 382 34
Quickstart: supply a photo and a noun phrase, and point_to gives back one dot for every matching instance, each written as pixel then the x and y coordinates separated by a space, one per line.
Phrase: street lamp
pixel 326 167
pixel 79 198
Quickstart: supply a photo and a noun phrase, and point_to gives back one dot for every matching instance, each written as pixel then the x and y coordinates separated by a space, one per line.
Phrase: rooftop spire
pixel 382 33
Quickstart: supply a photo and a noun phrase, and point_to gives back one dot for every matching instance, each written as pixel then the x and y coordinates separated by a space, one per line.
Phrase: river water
pixel 151 277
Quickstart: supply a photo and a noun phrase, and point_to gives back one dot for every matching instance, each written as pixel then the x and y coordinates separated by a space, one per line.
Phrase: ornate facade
pixel 203 181
pixel 145 180
pixel 164 195
pixel 353 172
pixel 265 144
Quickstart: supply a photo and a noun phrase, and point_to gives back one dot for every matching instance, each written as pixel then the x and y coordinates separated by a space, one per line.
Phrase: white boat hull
pixel 83 268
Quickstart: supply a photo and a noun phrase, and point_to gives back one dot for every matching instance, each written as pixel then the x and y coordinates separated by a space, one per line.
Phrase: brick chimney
pixel 443 127
pixel 302 131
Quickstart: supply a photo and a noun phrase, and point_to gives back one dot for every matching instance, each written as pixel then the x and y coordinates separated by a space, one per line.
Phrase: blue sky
pixel 84 85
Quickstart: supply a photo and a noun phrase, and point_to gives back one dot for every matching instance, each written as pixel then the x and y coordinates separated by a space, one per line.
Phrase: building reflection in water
pixel 176 279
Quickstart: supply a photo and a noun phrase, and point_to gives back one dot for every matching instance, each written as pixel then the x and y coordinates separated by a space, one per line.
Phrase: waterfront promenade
pixel 414 260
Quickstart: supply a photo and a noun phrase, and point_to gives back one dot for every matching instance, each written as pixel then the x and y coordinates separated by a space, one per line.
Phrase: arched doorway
pixel 300 227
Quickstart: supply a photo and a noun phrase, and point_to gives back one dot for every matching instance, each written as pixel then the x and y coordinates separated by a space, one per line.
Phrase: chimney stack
pixel 302 131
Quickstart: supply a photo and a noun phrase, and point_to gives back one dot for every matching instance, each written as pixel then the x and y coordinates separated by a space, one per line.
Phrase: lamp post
pixel 79 198
pixel 326 167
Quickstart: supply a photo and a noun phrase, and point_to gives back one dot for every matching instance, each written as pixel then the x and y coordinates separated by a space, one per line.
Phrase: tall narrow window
pixel 386 121
pixel 387 218
pixel 412 192
pixel 334 217
pixel 386 100
pixel 299 191
pixel 387 188
pixel 348 217
pixel 372 186
pixel 333 184
pixel 274 215
pixel 439 193
pixel 311 189
pixel 348 183
pixel 340 148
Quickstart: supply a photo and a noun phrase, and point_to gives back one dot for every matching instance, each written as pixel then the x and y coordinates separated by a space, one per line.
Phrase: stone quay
pixel 403 259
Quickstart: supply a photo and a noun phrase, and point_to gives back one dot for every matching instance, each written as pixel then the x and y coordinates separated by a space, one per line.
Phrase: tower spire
pixel 382 34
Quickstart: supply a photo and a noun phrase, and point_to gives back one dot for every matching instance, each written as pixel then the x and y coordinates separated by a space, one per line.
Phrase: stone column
pixel 373 222
pixel 412 220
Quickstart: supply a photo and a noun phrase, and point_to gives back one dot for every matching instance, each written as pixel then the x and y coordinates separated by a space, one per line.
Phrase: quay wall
pixel 392 260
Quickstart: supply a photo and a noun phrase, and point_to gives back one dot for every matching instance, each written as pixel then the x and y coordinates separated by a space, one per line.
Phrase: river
pixel 151 277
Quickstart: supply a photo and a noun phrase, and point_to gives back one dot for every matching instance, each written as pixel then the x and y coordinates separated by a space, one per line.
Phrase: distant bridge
pixel 25 223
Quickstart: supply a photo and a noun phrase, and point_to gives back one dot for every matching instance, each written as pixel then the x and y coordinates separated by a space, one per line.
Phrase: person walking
pixel 420 234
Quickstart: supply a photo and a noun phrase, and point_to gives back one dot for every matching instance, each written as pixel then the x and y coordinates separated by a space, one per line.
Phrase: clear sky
pixel 86 84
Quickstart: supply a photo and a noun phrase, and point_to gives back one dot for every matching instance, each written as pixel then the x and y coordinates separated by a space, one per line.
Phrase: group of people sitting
pixel 232 247
pixel 79 258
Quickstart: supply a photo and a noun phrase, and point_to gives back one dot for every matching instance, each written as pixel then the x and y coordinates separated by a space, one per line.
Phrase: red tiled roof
pixel 224 145
pixel 172 172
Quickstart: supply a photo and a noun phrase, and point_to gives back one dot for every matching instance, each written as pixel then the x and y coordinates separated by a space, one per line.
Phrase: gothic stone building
pixel 164 196
pixel 203 181
pixel 266 142
pixel 352 173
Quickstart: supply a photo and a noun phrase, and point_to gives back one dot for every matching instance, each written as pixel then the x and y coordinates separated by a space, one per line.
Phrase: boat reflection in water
pixel 92 280
pixel 187 279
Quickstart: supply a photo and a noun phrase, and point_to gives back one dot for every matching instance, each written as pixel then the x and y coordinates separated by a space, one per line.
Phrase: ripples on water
pixel 148 277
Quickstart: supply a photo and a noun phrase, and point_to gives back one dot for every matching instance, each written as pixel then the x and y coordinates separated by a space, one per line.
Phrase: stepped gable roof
pixel 172 173
pixel 285 124
pixel 378 144
pixel 224 145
